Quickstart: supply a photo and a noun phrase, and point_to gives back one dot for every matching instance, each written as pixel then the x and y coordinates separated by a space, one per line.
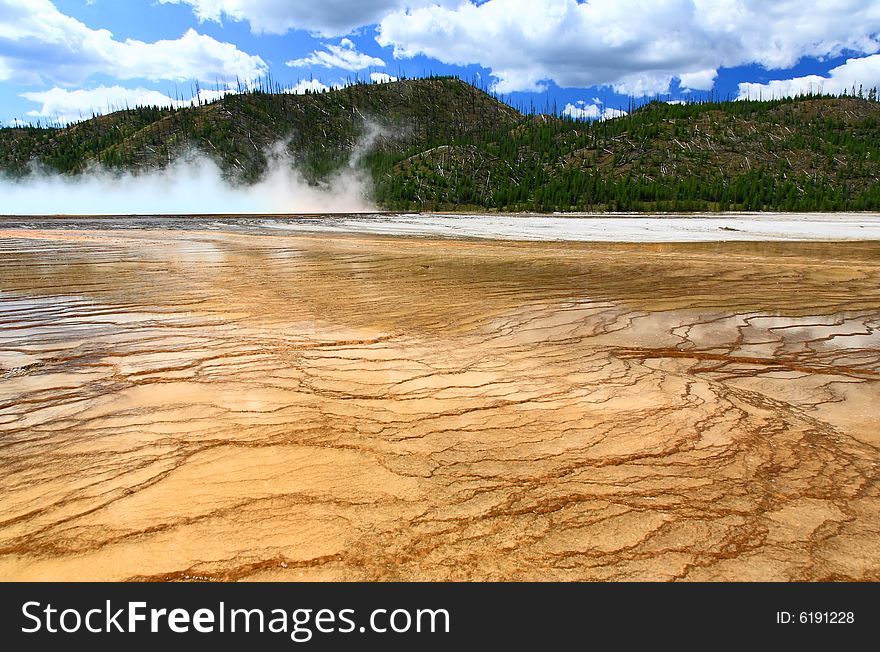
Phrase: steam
pixel 372 133
pixel 192 184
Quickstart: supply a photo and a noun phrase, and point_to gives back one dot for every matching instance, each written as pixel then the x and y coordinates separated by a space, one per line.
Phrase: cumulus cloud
pixel 701 80
pixel 63 106
pixel 381 78
pixel 38 43
pixel 307 85
pixel 609 114
pixel 634 46
pixel 863 71
pixel 344 56
pixel 583 111
pixel 324 18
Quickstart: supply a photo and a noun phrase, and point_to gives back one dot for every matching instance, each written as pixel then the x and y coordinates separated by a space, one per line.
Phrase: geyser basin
pixel 367 407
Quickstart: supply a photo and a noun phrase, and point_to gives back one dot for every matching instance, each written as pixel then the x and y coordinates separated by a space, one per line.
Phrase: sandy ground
pixel 220 404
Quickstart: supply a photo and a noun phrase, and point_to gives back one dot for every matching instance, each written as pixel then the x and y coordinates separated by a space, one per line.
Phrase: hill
pixel 442 144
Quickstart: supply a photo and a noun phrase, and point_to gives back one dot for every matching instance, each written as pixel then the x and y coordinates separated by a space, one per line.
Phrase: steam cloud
pixel 192 184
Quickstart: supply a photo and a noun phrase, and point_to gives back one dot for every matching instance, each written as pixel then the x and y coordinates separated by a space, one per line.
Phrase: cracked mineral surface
pixel 197 404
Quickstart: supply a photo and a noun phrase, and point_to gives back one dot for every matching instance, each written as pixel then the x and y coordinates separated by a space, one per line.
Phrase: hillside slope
pixel 443 144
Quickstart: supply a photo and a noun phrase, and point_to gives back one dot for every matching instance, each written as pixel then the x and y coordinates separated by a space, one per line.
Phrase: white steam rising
pixel 192 184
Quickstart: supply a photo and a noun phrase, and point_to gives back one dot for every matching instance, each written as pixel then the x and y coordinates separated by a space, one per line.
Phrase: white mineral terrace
pixel 616 228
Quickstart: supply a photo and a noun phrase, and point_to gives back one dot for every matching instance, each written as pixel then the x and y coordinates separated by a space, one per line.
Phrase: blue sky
pixel 62 59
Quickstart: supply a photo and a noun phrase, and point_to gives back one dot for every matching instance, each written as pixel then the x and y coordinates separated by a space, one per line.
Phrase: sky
pixel 64 60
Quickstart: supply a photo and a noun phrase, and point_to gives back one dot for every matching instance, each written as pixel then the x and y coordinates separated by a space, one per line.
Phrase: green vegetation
pixel 449 146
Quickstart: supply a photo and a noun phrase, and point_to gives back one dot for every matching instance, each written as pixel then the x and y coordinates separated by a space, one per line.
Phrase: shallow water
pixel 221 403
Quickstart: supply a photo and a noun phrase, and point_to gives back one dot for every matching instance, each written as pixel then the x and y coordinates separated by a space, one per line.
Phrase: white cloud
pixel 583 111
pixel 855 72
pixel 325 18
pixel 701 80
pixel 610 114
pixel 381 78
pixel 63 106
pixel 344 55
pixel 310 85
pixel 38 43
pixel 635 46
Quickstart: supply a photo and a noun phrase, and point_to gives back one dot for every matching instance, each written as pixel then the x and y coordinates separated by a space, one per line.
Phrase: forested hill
pixel 445 145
